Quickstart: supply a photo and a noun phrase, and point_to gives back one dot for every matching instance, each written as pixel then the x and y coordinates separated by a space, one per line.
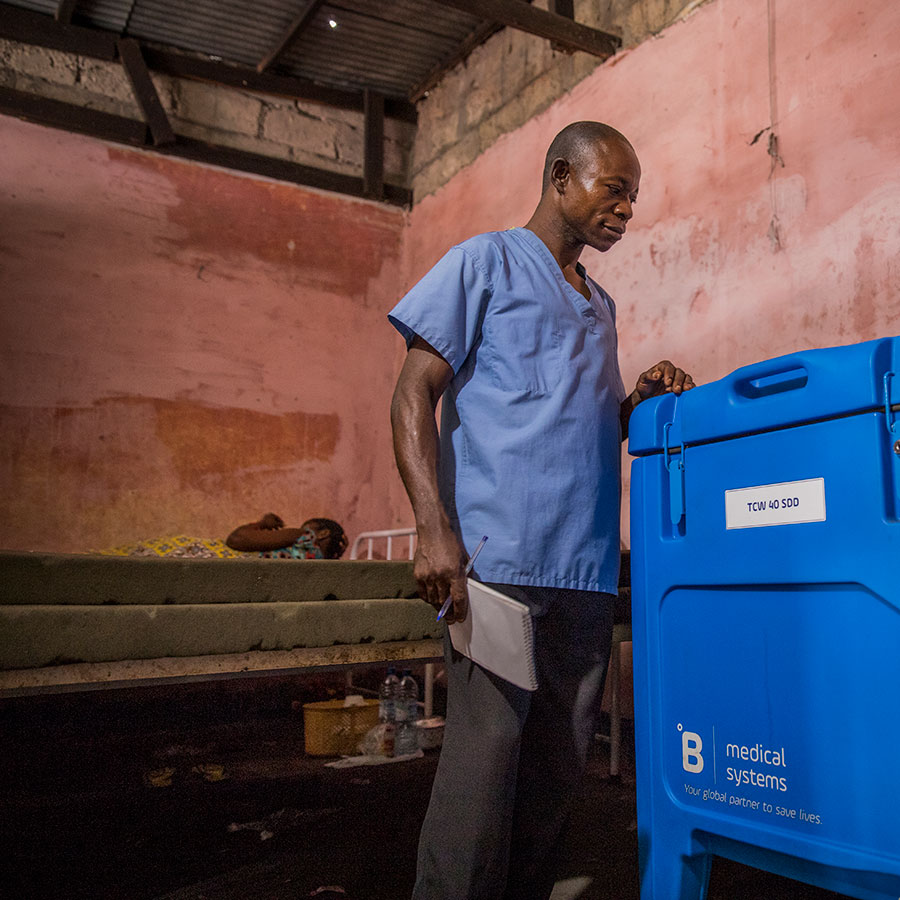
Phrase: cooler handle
pixel 773 383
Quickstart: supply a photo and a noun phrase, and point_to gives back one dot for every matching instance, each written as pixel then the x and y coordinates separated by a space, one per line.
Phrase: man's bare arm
pixel 440 558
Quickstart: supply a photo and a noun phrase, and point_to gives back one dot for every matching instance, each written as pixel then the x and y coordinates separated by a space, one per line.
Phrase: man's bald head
pixel 575 141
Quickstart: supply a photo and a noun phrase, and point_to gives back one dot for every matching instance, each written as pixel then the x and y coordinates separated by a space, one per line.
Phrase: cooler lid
pixel 789 390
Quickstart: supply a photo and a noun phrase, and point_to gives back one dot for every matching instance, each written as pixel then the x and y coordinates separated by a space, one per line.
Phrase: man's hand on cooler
pixel 663 378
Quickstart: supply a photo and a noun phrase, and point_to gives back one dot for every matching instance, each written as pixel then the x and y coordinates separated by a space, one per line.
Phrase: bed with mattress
pixel 72 622
pixel 79 622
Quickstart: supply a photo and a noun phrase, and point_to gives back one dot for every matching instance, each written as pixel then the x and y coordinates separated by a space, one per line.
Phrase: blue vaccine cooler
pixel 765 517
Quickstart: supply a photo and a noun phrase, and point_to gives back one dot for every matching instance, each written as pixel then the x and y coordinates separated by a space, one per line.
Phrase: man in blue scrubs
pixel 521 344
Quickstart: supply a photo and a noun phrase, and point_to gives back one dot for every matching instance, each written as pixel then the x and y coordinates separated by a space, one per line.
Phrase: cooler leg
pixel 670 875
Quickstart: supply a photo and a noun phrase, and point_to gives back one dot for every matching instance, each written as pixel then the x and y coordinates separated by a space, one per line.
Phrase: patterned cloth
pixel 182 546
pixel 177 545
pixel 303 548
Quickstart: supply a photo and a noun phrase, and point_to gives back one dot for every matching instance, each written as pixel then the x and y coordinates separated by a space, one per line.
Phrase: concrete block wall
pixel 511 78
pixel 309 134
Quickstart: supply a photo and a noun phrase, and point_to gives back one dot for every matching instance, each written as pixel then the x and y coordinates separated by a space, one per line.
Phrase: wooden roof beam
pixel 557 28
pixel 65 9
pixel 145 92
pixel 68 117
pixel 295 29
pixel 562 8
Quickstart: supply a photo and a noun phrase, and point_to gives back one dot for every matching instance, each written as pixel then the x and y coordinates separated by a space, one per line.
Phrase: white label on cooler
pixel 788 503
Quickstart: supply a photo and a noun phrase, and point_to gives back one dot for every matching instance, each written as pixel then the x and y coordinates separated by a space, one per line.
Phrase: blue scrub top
pixel 530 434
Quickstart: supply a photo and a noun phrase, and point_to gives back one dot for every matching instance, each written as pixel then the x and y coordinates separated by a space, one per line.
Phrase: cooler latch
pixel 889 419
pixel 675 467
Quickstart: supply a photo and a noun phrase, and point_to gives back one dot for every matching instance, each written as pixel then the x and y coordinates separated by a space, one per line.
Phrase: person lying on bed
pixel 314 539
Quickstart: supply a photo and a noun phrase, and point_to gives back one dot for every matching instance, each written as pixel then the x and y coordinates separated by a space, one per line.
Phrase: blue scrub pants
pixel 512 760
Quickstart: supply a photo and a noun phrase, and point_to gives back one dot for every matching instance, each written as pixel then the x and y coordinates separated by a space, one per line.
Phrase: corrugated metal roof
pixel 111 15
pixel 426 17
pixel 386 45
pixel 366 51
pixel 234 30
pixel 41 6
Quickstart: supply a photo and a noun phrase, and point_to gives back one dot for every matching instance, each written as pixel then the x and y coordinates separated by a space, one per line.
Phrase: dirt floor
pixel 87 811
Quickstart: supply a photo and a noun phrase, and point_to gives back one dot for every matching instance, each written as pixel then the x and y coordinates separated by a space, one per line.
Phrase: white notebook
pixel 498 634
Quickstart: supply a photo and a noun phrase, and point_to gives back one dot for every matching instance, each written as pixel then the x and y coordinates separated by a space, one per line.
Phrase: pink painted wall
pixel 185 348
pixel 699 278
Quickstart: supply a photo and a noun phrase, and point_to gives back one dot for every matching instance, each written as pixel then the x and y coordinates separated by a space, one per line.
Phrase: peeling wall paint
pixel 186 348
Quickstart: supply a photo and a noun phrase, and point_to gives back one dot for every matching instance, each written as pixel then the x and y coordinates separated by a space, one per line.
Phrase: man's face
pixel 599 194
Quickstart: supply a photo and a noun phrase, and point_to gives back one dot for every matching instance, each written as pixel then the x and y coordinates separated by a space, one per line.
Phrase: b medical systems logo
pixel 752 777
pixel 691 751
pixel 741 764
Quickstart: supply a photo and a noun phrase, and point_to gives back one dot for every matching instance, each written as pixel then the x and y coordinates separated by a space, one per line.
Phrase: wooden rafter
pixel 308 9
pixel 145 92
pixel 65 9
pixel 68 117
pixel 561 30
pixel 564 8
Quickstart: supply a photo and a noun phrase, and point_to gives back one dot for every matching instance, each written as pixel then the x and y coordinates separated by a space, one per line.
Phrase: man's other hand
pixel 663 378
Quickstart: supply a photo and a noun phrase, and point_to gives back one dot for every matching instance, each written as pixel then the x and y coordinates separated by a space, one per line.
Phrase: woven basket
pixel 332 729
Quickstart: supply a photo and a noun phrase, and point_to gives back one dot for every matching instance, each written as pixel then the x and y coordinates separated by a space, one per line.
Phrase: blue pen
pixel 469 565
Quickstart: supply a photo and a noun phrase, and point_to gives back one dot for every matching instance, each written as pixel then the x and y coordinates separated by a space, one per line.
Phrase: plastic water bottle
pixel 388 695
pixel 407 715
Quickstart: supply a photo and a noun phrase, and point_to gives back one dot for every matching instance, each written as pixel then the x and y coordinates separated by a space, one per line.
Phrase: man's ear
pixel 559 174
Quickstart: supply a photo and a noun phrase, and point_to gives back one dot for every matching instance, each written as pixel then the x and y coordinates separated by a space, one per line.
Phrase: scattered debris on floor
pixel 159 777
pixel 210 771
pixel 348 762
pixel 280 821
